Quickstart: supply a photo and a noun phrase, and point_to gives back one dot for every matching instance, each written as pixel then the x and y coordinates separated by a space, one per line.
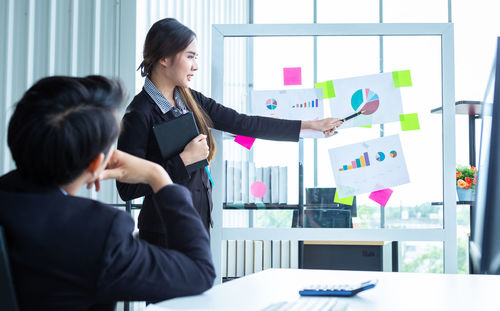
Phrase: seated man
pixel 73 253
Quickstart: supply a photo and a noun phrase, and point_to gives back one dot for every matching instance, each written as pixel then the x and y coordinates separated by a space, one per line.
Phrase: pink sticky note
pixel 381 196
pixel 292 76
pixel 245 141
pixel 258 189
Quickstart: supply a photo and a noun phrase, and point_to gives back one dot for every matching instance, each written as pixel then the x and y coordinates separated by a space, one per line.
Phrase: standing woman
pixel 170 53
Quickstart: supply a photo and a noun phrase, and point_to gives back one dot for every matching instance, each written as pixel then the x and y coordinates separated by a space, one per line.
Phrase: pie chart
pixel 365 97
pixel 393 154
pixel 380 156
pixel 271 104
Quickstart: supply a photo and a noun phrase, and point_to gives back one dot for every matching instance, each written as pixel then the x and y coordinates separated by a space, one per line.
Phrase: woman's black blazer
pixel 137 138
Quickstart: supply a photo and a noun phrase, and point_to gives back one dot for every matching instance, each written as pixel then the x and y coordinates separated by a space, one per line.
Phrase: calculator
pixel 344 290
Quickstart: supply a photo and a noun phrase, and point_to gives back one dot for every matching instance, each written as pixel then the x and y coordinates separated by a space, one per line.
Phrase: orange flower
pixel 468 180
pixel 473 168
pixel 475 180
pixel 459 174
pixel 462 184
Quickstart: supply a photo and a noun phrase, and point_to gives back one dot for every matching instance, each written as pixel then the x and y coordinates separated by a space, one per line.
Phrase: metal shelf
pixel 259 206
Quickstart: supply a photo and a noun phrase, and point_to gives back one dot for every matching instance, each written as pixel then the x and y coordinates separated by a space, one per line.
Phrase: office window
pixel 421 11
pixel 283 11
pixel 415 205
pixel 353 11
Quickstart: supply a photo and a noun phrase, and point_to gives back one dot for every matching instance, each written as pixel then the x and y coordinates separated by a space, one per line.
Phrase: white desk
pixel 395 291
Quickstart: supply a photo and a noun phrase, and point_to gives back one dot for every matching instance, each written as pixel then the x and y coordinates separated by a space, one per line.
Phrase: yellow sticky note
pixel 346 201
pixel 328 90
pixel 401 78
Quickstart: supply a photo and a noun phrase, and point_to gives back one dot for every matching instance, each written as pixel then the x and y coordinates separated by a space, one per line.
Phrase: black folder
pixel 174 134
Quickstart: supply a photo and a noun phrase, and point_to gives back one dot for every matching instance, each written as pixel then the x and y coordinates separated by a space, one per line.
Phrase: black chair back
pixel 8 299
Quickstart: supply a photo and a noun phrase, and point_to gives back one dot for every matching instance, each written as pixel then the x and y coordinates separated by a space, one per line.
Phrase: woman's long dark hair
pixel 166 38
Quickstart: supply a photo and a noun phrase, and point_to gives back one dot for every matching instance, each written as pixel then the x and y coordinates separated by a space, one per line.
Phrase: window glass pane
pixel 422 148
pixel 344 57
pixel 353 11
pixel 271 55
pixel 422 11
pixel 283 11
pixel 476 27
pixel 235 96
pixel 463 231
pixel 422 257
pixel 410 205
pixel 414 205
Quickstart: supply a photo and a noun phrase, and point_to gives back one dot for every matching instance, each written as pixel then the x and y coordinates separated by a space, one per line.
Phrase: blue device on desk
pixel 344 290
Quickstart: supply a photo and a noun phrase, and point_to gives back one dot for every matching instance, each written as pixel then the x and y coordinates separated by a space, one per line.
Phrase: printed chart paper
pixel 302 104
pixel 352 94
pixel 311 134
pixel 369 166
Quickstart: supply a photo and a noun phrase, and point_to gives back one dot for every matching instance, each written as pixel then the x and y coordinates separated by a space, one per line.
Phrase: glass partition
pixel 422 211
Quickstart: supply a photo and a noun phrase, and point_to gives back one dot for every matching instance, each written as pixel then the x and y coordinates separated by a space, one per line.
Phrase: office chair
pixel 8 300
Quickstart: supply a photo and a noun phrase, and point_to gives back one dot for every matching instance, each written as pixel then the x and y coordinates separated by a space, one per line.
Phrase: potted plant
pixel 466 177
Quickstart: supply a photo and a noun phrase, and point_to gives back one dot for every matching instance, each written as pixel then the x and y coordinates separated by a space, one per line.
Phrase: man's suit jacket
pixel 137 138
pixel 73 253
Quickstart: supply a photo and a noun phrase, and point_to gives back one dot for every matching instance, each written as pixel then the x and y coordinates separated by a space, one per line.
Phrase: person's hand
pixel 196 150
pixel 327 126
pixel 130 169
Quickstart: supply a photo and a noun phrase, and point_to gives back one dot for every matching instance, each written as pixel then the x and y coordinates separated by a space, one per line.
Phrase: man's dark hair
pixel 61 124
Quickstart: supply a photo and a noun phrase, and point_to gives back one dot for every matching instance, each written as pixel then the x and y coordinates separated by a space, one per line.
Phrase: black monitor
pixel 485 234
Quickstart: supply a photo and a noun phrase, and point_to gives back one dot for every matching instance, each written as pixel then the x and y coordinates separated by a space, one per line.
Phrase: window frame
pixel 447 235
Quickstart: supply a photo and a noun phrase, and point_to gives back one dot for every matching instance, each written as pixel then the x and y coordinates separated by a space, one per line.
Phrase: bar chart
pixel 362 161
pixel 307 104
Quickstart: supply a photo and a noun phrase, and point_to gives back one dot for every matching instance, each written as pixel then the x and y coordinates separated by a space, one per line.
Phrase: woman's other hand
pixel 195 151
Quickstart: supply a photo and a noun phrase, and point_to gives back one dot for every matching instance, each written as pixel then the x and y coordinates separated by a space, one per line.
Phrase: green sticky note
pixel 401 78
pixel 409 122
pixel 328 90
pixel 346 201
pixel 367 126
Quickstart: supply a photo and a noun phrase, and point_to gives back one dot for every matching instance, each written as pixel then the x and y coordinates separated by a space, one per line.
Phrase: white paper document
pixel 301 104
pixel 375 91
pixel 368 166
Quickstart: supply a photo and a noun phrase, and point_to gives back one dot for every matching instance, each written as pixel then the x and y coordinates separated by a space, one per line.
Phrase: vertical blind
pixel 62 37
pixel 81 37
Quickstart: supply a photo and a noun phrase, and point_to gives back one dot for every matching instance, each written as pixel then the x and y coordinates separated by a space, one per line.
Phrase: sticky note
pixel 346 201
pixel 367 126
pixel 258 189
pixel 401 78
pixel 381 196
pixel 328 90
pixel 245 141
pixel 292 76
pixel 409 122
